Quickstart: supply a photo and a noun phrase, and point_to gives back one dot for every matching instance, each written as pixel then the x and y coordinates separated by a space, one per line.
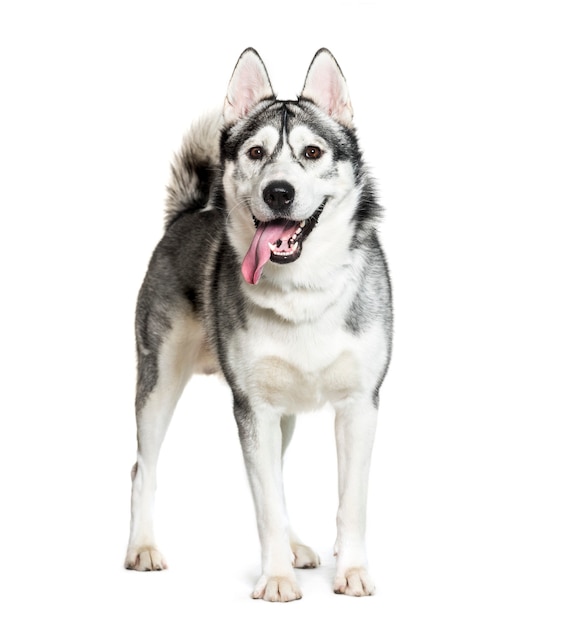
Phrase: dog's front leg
pixel 355 429
pixel 261 442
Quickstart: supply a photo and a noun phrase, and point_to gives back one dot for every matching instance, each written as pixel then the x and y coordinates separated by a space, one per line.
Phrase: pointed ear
pixel 249 85
pixel 326 87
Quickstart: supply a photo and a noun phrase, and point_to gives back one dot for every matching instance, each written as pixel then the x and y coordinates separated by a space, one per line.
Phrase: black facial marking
pixel 286 114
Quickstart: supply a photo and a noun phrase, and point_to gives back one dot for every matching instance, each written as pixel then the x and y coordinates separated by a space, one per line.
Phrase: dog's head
pixel 285 162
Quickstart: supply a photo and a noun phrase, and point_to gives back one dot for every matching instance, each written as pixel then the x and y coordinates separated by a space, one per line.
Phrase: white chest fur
pixel 296 351
pixel 299 366
pixel 282 383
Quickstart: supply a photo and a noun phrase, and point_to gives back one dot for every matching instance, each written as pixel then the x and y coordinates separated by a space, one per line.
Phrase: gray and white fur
pixel 269 272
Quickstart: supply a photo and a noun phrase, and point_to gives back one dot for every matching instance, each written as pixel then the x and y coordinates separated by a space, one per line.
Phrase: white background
pixel 460 108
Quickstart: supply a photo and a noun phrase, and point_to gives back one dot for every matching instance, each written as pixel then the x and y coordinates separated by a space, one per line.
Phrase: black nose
pixel 279 195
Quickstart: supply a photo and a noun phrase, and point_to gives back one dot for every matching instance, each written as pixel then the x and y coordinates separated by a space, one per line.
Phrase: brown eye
pixel 312 152
pixel 256 153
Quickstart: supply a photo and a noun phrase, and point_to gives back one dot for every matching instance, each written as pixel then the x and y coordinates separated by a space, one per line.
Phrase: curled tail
pixel 193 168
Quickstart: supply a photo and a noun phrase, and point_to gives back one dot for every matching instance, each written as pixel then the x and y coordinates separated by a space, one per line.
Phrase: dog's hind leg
pixel 304 556
pixel 163 370
pixel 355 428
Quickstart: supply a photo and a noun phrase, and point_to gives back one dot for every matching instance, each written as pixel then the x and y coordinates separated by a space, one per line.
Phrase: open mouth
pixel 279 241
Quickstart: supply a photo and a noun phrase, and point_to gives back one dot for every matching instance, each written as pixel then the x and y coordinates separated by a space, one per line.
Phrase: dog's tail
pixel 193 168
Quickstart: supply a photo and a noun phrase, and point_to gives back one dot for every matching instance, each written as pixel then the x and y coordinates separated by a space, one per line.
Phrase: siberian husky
pixel 270 272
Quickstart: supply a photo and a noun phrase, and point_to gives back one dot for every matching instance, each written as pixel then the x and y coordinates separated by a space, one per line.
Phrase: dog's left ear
pixel 249 85
pixel 326 87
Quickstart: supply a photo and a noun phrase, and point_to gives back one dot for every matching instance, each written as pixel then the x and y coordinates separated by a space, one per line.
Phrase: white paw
pixel 145 559
pixel 277 589
pixel 304 557
pixel 354 582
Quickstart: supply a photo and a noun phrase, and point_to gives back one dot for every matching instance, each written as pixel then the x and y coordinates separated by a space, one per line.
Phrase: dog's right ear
pixel 249 85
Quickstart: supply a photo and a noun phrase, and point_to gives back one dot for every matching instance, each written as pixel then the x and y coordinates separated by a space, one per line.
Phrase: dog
pixel 270 273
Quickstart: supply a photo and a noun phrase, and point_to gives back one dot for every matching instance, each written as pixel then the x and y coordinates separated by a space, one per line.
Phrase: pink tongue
pixel 259 251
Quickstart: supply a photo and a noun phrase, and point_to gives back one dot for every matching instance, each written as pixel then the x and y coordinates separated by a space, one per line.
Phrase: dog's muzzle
pixel 279 240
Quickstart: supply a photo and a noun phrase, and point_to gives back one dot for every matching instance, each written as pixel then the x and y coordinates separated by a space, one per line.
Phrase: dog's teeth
pixel 302 224
pixel 291 247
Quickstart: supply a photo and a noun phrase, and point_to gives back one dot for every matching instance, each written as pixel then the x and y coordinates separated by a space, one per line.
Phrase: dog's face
pixel 285 162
